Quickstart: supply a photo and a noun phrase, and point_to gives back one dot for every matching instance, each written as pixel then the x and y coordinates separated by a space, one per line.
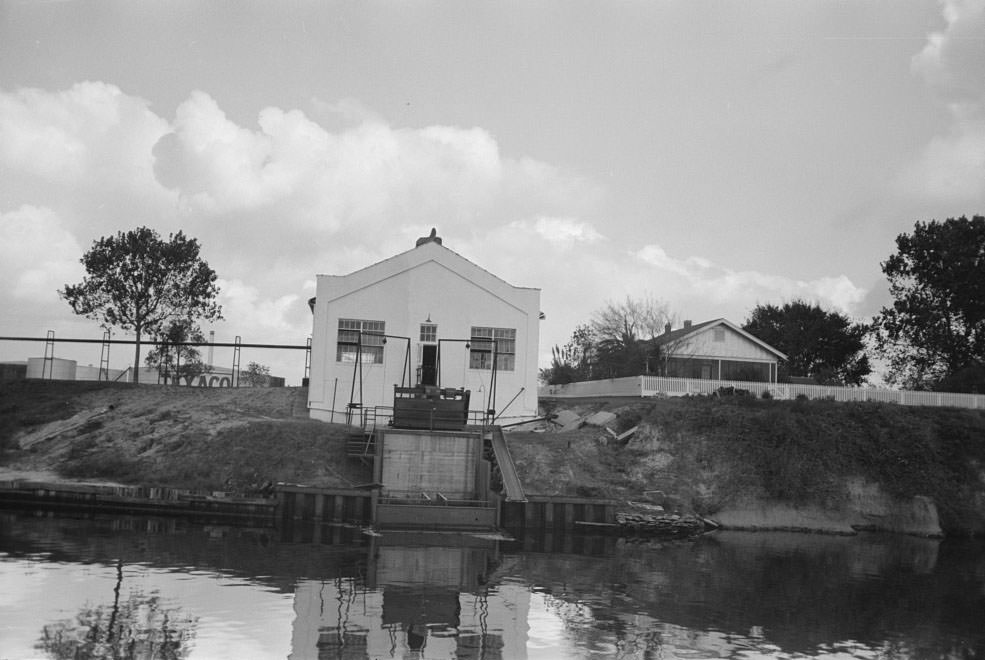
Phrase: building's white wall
pixel 735 346
pixel 433 282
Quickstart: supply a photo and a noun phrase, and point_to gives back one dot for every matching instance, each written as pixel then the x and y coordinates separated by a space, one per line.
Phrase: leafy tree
pixel 171 357
pixel 257 375
pixel 136 281
pixel 822 345
pixel 935 329
pixel 625 333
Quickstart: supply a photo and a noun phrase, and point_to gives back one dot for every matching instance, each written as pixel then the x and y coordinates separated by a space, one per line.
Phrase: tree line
pixel 932 336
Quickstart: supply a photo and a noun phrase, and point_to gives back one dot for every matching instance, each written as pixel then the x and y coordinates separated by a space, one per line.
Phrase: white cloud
pixel 270 319
pixel 953 60
pixel 276 203
pixel 697 278
pixel 38 255
pixel 564 231
pixel 951 168
pixel 90 134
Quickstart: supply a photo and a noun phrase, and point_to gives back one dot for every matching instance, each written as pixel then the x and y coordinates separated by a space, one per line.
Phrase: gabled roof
pixel 423 246
pixel 697 328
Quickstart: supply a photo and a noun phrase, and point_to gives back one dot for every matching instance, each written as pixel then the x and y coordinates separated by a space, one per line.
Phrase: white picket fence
pixel 643 386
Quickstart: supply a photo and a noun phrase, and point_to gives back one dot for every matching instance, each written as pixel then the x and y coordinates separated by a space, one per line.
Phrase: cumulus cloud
pixel 277 202
pixel 91 132
pixel 311 177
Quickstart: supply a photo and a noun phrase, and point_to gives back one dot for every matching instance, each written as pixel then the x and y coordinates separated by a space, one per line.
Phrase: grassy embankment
pixel 704 454
pixel 707 454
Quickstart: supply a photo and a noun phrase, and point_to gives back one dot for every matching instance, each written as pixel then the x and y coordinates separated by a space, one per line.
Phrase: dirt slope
pixel 200 438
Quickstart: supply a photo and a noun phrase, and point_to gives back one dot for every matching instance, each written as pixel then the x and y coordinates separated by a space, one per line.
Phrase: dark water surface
pixel 122 587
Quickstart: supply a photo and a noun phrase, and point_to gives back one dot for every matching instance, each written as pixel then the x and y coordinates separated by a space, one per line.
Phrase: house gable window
pixel 429 333
pixel 347 345
pixel 481 348
pixel 719 334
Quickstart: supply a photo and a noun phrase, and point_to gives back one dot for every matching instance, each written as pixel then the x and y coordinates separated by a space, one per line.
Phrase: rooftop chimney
pixel 687 324
pixel 433 238
pixel 667 329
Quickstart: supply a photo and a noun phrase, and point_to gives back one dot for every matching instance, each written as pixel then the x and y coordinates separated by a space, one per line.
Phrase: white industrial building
pixel 427 316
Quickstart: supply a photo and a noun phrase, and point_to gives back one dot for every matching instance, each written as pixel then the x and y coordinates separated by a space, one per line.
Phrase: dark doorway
pixel 429 364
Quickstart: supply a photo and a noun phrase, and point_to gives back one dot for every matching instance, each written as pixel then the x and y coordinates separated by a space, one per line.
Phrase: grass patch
pixel 801 451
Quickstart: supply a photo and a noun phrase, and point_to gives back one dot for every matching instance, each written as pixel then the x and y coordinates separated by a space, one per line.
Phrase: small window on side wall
pixel 481 348
pixel 348 347
pixel 719 334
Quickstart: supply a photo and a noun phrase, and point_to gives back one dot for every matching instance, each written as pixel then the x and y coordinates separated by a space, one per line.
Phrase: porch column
pixel 719 377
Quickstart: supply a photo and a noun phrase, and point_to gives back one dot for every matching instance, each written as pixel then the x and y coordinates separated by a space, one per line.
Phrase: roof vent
pixel 432 238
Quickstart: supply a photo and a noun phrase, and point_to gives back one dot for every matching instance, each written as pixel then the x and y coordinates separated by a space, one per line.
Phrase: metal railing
pixel 371 417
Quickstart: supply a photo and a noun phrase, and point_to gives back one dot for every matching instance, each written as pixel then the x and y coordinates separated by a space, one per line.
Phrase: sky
pixel 710 155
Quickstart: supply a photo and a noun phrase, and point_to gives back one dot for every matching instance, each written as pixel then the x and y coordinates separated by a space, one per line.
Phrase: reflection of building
pixel 717 350
pixel 446 321
pixel 419 599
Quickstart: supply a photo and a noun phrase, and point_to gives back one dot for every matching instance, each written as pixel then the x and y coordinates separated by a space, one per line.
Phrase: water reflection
pixel 138 626
pixel 423 595
pixel 322 591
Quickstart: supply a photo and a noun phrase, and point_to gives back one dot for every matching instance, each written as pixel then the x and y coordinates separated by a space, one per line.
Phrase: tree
pixel 935 328
pixel 136 281
pixel 625 334
pixel 257 375
pixel 172 358
pixel 825 346
pixel 573 362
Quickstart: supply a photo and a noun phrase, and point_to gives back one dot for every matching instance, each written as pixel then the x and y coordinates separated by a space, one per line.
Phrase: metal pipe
pixel 151 342
pixel 508 404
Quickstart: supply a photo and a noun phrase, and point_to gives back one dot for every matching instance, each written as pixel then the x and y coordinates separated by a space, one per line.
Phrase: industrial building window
pixel 719 334
pixel 372 340
pixel 429 332
pixel 481 348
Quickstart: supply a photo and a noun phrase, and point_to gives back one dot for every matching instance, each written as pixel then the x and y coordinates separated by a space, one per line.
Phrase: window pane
pixel 481 348
pixel 348 338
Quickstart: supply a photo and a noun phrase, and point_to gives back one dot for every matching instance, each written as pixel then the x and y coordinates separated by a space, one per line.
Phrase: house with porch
pixel 425 317
pixel 717 350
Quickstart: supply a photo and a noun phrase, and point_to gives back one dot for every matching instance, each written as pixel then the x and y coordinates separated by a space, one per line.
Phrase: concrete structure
pixel 426 316
pixel 717 350
pixel 52 369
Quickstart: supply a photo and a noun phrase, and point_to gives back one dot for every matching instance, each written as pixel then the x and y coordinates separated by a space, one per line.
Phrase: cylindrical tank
pixel 60 369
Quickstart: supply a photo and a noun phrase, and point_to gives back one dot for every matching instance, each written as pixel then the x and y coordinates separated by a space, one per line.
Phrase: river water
pixel 138 587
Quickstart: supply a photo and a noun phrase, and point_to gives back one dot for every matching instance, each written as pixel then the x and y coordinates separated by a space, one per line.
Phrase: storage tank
pixel 60 369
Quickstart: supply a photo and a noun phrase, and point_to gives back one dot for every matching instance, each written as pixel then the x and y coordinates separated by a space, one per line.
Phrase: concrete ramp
pixel 511 482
